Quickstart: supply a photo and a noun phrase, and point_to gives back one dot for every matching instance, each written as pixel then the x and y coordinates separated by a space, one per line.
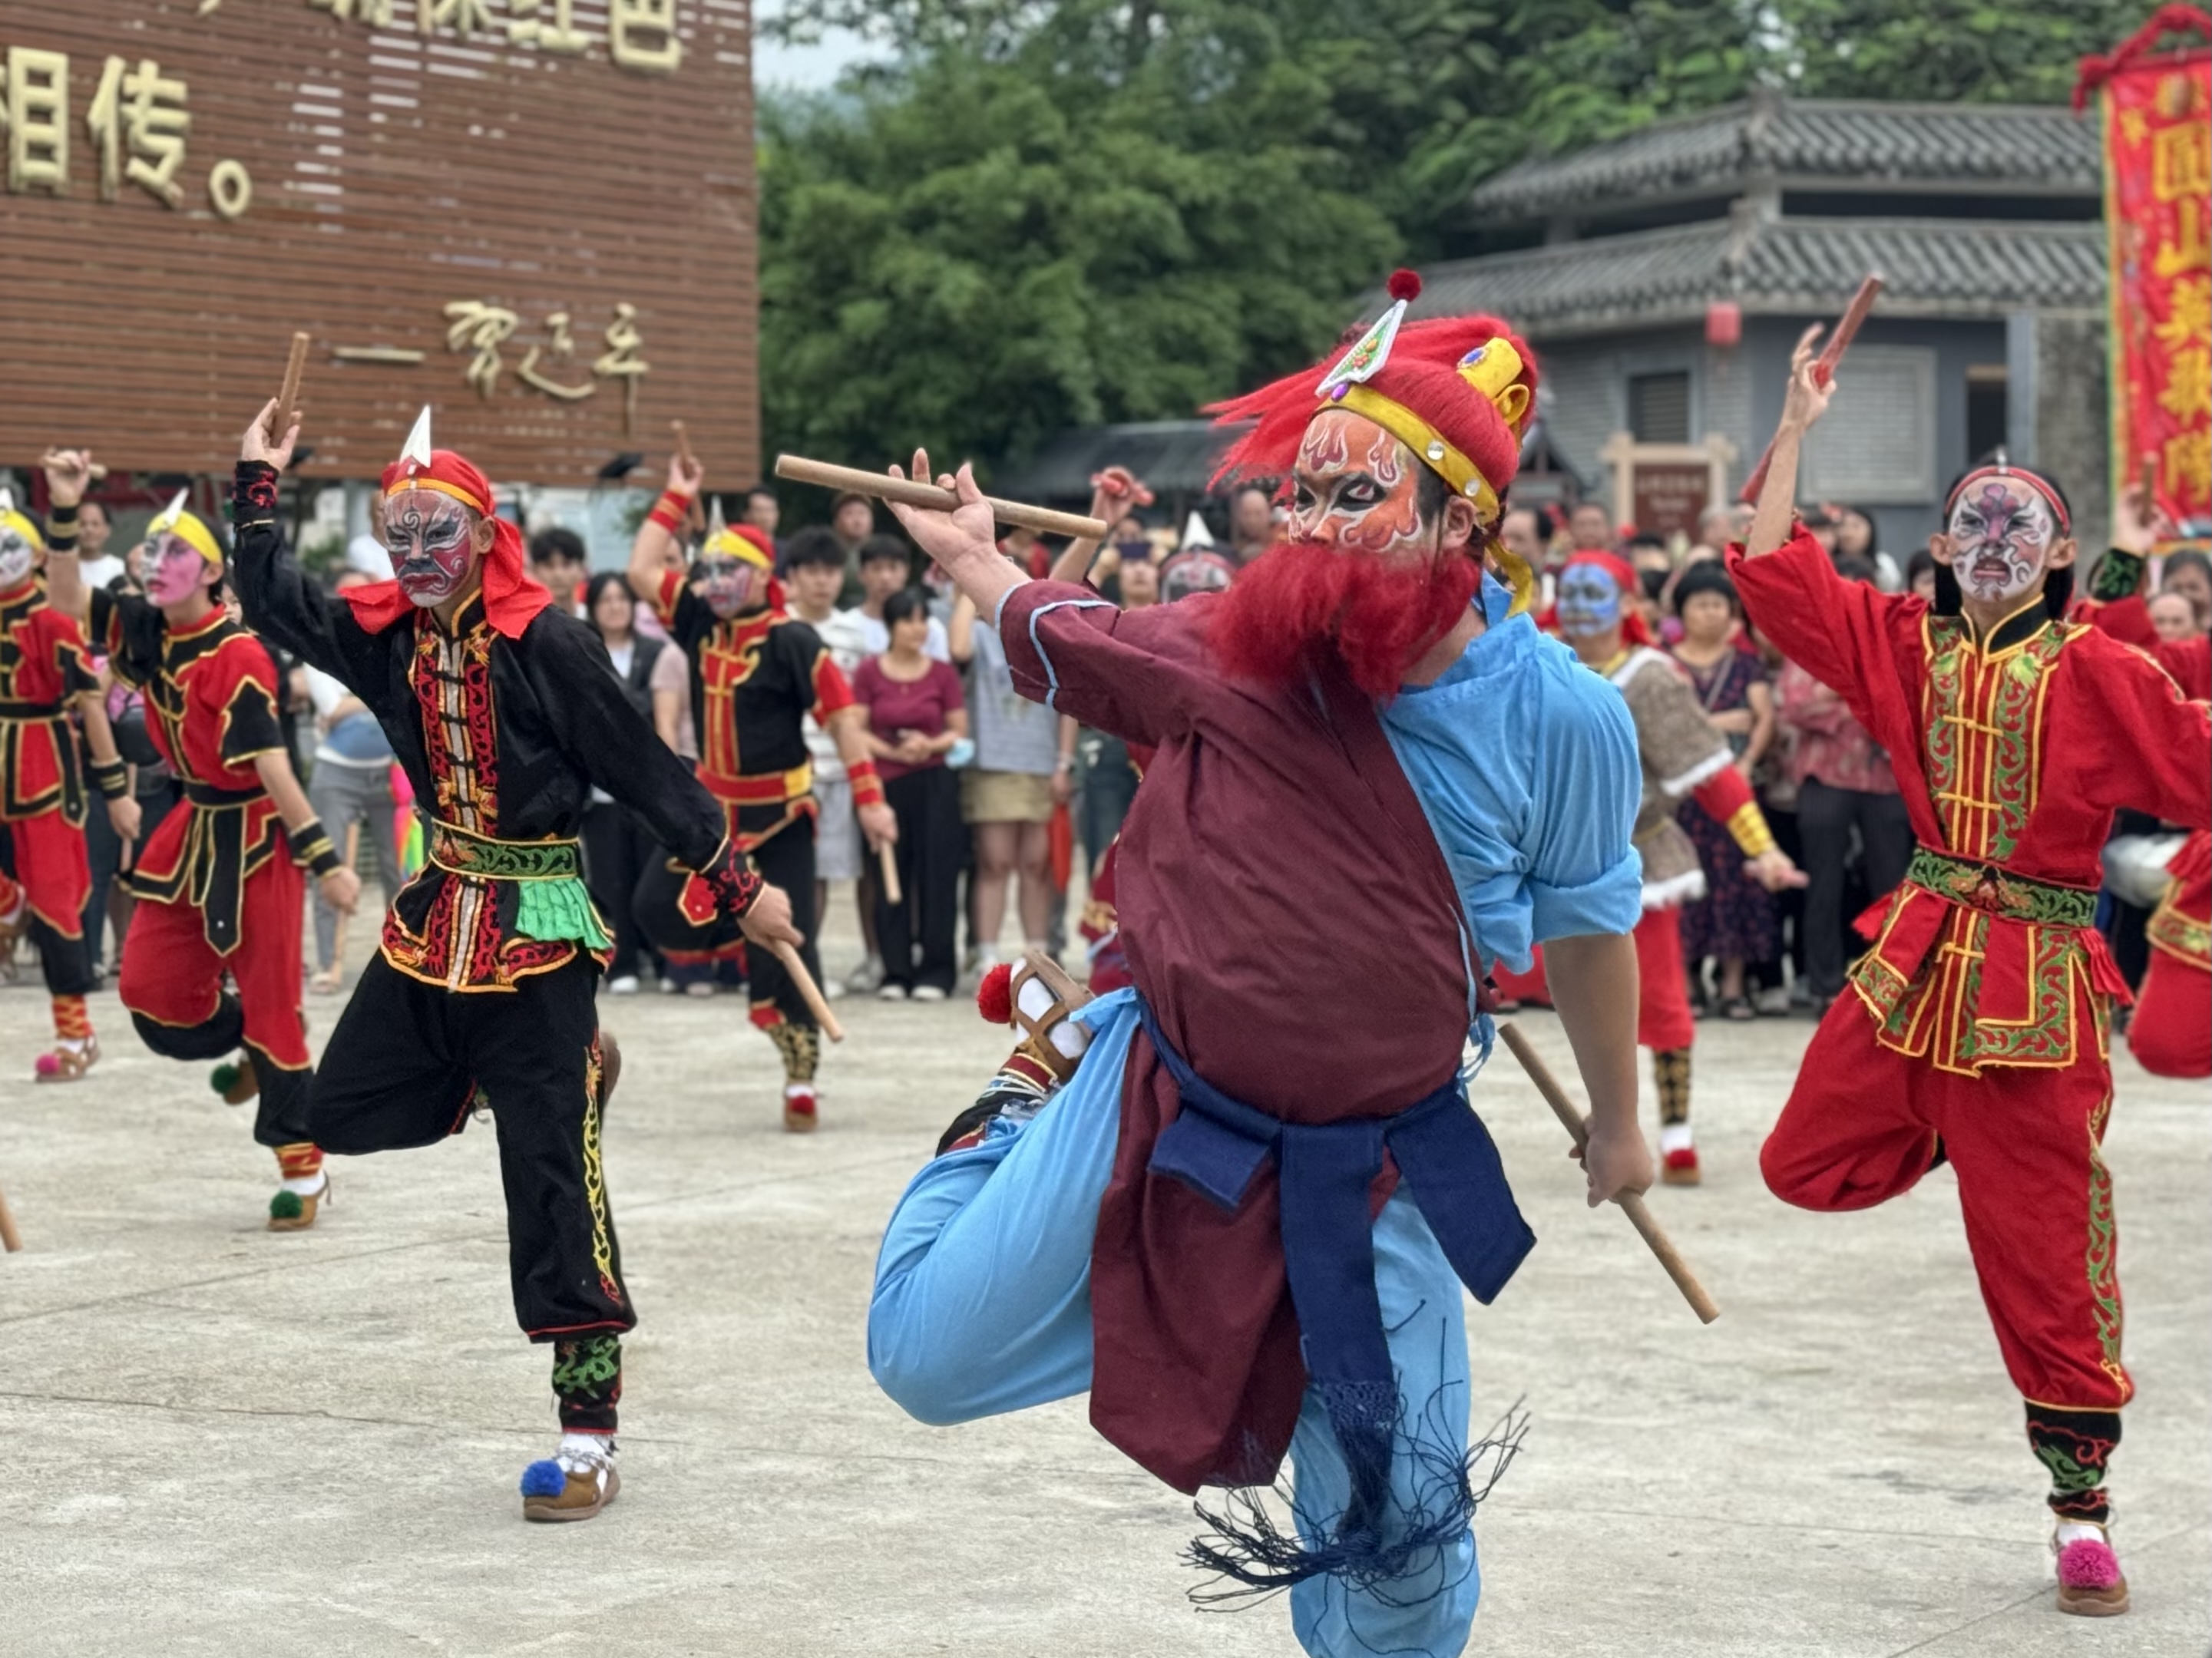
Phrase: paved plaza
pixel 222 1441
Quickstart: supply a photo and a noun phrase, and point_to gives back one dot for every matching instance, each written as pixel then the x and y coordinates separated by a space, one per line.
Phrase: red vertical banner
pixel 2158 212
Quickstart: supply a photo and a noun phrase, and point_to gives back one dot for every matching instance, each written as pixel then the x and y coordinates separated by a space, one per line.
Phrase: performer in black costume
pixel 501 709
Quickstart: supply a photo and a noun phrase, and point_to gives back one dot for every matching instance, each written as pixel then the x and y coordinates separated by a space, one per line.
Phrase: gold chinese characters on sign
pixel 641 34
pixel 136 119
pixel 480 327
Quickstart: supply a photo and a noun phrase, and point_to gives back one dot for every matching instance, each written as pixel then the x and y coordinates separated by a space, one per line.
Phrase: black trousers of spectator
pixel 401 1070
pixel 933 842
pixel 617 850
pixel 1826 818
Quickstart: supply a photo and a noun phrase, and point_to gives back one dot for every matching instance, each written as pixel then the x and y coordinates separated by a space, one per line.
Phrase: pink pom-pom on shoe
pixel 2087 1564
pixel 48 1064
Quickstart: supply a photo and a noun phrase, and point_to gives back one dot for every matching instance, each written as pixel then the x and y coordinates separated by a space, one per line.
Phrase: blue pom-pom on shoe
pixel 543 1478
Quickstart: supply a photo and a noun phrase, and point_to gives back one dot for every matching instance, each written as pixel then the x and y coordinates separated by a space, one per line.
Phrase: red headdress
pixel 511 598
pixel 1456 391
pixel 1633 627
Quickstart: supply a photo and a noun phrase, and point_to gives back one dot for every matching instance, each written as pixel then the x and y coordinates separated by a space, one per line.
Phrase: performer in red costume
pixel 2171 1031
pixel 501 709
pixel 1978 1031
pixel 1683 758
pixel 218 886
pixel 1264 1197
pixel 43 674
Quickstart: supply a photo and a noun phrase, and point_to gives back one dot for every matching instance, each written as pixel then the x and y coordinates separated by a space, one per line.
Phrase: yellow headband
pixel 22 526
pixel 728 544
pixel 424 481
pixel 190 531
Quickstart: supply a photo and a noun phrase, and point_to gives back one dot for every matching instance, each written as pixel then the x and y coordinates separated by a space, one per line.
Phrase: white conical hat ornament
pixel 1194 533
pixel 7 500
pixel 1366 356
pixel 170 514
pixel 716 523
pixel 415 452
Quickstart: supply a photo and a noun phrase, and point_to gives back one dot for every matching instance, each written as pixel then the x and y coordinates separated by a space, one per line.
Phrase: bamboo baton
pixel 808 990
pixel 889 863
pixel 10 1239
pixel 912 492
pixel 1823 368
pixel 683 443
pixel 288 400
pixel 1639 1216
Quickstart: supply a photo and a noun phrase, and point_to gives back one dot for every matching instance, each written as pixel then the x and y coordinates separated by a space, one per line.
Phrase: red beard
pixel 1304 602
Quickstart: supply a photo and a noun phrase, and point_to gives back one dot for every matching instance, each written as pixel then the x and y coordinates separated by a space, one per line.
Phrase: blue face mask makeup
pixel 1589 600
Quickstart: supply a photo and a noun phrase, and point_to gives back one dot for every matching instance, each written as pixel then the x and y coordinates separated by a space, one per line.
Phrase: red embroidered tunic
pixel 2012 754
pixel 210 707
pixel 42 665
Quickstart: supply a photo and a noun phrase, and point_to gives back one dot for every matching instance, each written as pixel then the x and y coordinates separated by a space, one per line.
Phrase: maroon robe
pixel 1288 915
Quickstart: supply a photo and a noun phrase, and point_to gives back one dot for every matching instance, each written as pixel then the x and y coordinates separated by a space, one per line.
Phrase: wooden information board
pixel 536 215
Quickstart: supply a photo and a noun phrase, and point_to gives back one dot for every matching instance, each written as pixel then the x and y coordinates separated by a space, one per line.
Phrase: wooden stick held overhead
pixel 910 492
pixel 1639 1215
pixel 1823 368
pixel 683 443
pixel 287 399
pixel 809 991
pixel 887 860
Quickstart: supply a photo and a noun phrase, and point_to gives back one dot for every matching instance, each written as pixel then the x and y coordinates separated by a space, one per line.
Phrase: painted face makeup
pixel 1356 490
pixel 730 586
pixel 174 569
pixel 2001 533
pixel 429 537
pixel 16 557
pixel 1588 601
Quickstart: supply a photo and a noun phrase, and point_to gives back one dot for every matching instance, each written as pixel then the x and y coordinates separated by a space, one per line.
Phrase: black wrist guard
pixel 253 494
pixel 312 848
pixel 112 776
pixel 735 887
pixel 61 528
pixel 2118 576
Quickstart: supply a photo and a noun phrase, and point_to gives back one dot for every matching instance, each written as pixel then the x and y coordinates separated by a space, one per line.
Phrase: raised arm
pixel 69 473
pixel 1806 402
pixel 657 550
pixel 1113 492
pixel 278 599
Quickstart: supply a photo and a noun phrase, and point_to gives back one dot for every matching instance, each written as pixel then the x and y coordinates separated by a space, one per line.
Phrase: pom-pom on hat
pixel 1456 391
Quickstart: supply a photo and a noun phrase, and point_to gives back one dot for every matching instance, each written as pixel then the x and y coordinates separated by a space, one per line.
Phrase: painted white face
pixel 431 539
pixel 174 569
pixel 16 557
pixel 1589 601
pixel 2001 533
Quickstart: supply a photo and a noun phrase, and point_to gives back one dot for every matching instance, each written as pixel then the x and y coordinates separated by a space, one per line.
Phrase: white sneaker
pixel 868 976
pixel 987 958
pixel 625 986
pixel 928 993
pixel 891 992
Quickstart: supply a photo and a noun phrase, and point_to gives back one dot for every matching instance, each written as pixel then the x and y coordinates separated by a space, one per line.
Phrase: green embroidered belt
pixel 551 902
pixel 2001 892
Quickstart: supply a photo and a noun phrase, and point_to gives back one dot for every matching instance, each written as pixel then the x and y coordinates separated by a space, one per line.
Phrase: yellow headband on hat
pixel 728 544
pixel 191 531
pixel 12 520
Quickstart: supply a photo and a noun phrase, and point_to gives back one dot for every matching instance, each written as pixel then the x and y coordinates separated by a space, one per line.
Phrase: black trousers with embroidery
pixel 401 1070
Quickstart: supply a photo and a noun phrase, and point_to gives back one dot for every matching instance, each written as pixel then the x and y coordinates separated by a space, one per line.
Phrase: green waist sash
pixel 550 902
pixel 2001 892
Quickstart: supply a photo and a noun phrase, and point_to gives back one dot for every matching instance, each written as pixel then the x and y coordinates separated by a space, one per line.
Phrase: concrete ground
pixel 222 1442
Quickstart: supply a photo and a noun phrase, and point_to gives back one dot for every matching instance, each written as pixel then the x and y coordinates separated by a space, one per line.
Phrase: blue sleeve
pixel 1584 872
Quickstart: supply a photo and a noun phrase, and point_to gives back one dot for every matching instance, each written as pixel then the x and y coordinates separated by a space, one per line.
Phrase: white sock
pixel 580 1450
pixel 74 1044
pixel 1674 1137
pixel 1069 1036
pixel 792 1090
pixel 987 958
pixel 2076 1531
pixel 307 1186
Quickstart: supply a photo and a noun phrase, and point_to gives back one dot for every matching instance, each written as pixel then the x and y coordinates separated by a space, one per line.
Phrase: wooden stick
pixel 683 442
pixel 888 861
pixel 1824 369
pixel 912 493
pixel 809 991
pixel 287 399
pixel 10 1239
pixel 1639 1216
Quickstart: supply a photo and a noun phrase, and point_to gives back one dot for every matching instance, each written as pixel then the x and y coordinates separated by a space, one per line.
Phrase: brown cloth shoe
pixel 295 1212
pixel 2090 1583
pixel 585 1488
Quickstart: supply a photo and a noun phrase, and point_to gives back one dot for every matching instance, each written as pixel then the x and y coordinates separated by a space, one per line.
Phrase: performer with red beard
pixel 1978 1030
pixel 1265 1201
pixel 500 706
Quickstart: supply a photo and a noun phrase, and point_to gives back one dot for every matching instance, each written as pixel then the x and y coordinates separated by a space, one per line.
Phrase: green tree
pixel 1946 50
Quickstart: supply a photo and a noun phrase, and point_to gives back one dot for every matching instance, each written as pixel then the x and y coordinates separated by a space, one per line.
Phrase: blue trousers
pixel 982 1306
